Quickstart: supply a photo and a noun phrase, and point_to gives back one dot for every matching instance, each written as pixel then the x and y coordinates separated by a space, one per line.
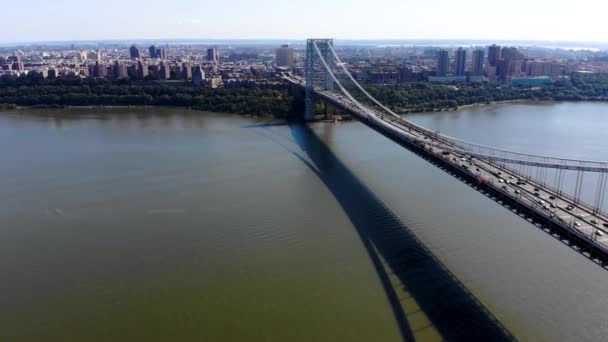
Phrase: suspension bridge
pixel 564 197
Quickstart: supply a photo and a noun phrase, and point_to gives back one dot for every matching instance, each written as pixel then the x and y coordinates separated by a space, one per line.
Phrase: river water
pixel 168 224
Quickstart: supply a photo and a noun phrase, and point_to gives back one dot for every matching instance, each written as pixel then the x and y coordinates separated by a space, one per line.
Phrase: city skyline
pixel 341 19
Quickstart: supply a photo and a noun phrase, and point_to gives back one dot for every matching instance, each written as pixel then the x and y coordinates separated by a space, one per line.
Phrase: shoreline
pixel 268 119
pixel 5 106
pixel 12 106
pixel 103 107
pixel 483 104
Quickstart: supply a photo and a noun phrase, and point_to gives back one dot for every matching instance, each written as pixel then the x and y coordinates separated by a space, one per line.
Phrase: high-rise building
pixel 460 60
pixel 509 53
pixel 134 51
pixel 198 76
pixel 494 53
pixel 157 52
pixel 152 51
pixel 442 63
pixel 284 56
pixel 119 71
pixel 510 64
pixel 213 55
pixel 142 71
pixel 161 53
pixel 186 72
pixel 98 70
pixel 52 73
pixel 164 71
pixel 477 66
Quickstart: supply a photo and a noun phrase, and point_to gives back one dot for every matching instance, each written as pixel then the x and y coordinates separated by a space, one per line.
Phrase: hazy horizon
pixel 564 44
pixel 342 19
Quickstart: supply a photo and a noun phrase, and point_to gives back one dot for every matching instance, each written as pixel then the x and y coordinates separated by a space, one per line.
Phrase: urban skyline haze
pixel 345 19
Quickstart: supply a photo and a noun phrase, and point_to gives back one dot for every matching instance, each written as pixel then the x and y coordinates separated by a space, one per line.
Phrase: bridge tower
pixel 320 74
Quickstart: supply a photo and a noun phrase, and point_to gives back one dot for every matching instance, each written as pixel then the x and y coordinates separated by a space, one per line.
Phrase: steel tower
pixel 320 74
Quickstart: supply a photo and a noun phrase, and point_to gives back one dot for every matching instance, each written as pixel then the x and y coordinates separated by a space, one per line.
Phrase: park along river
pixel 177 225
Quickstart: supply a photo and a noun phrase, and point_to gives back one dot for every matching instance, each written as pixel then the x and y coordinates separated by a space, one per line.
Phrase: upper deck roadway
pixel 560 209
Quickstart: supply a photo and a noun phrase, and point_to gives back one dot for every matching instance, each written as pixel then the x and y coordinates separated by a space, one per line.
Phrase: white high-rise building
pixel 284 56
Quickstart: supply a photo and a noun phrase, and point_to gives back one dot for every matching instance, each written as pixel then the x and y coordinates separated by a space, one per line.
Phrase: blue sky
pixel 42 20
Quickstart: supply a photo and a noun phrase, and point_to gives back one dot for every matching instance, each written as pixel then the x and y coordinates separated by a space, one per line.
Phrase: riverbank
pixel 419 97
pixel 113 110
pixel 522 101
pixel 491 103
pixel 485 104
pixel 481 104
pixel 63 93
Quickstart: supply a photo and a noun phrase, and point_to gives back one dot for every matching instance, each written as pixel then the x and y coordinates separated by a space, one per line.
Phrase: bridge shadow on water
pixel 393 248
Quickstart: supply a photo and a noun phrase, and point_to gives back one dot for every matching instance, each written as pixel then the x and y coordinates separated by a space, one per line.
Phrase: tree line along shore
pixel 279 103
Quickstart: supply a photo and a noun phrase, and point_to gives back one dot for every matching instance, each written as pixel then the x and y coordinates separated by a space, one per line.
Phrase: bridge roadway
pixel 577 220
